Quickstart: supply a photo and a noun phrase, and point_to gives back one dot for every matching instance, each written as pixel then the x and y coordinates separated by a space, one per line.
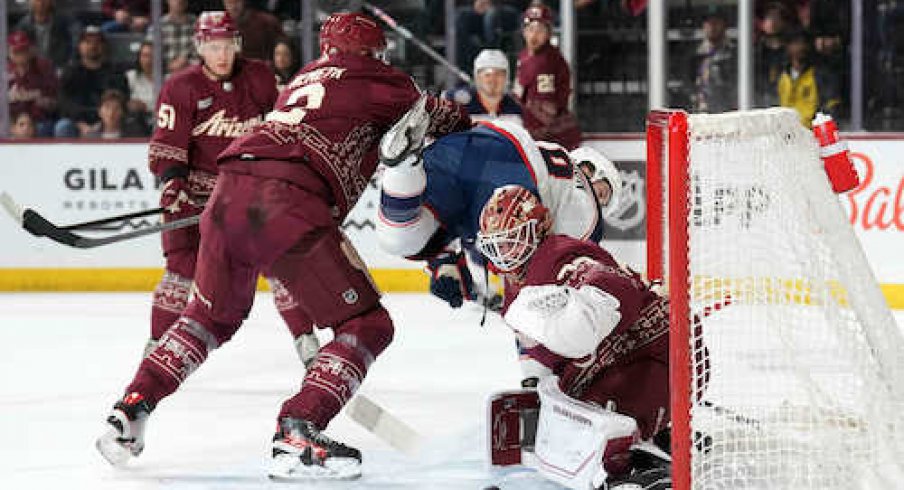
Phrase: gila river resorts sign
pixel 78 182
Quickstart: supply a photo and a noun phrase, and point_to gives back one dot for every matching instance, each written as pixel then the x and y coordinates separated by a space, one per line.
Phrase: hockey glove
pixel 450 279
pixel 177 200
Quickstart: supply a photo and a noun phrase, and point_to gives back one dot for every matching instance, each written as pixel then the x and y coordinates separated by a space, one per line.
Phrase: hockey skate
pixel 406 137
pixel 125 437
pixel 302 452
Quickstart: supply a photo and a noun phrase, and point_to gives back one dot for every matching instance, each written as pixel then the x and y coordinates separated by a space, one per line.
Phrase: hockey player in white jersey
pixel 431 198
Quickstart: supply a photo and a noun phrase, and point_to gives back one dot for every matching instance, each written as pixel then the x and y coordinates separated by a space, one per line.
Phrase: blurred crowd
pixel 84 68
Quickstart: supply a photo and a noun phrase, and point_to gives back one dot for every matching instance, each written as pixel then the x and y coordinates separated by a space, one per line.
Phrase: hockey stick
pixel 112 219
pixel 379 422
pixel 39 226
pixel 408 36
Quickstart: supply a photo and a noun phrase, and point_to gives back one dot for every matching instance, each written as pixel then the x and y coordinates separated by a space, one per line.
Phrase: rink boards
pixel 73 182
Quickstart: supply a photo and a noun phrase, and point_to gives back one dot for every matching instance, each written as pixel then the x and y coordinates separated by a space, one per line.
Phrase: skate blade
pixel 115 453
pixel 288 467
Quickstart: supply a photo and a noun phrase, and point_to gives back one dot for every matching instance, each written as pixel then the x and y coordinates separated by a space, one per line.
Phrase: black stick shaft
pixel 112 219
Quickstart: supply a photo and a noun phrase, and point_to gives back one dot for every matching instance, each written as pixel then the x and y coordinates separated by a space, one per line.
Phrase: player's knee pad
pixel 407 238
pixel 325 274
pixel 172 292
pixel 182 349
pixel 579 444
pixel 371 332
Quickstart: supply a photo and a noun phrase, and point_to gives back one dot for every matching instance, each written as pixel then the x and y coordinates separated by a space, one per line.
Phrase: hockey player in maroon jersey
pixel 599 329
pixel 543 83
pixel 282 190
pixel 202 109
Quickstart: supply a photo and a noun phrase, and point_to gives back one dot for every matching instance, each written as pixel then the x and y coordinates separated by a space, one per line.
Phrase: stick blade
pixel 384 425
pixel 13 209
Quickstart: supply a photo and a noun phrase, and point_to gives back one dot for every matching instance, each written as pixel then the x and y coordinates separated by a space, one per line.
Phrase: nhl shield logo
pixel 350 296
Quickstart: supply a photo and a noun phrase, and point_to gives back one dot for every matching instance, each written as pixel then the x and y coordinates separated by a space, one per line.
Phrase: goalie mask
pixel 603 176
pixel 512 224
pixel 352 33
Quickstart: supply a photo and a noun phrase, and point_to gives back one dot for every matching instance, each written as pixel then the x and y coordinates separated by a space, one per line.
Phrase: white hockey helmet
pixel 600 168
pixel 491 58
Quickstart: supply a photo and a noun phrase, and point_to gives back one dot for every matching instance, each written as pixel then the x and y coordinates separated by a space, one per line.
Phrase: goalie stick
pixel 39 226
pixel 381 423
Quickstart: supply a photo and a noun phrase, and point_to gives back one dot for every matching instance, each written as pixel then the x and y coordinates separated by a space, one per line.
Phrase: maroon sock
pixel 170 298
pixel 178 354
pixel 329 384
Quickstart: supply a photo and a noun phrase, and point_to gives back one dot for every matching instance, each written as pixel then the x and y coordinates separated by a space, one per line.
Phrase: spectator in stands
pixel 82 84
pixel 32 83
pixel 286 61
pixel 716 74
pixel 259 30
pixel 543 84
pixel 769 52
pixel 485 24
pixel 177 29
pixel 806 87
pixel 22 126
pixel 113 122
pixel 127 15
pixel 830 22
pixel 53 34
pixel 142 98
pixel 488 98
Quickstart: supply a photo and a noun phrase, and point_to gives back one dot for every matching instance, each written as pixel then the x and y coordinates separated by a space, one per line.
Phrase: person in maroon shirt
pixel 32 83
pixel 282 191
pixel 543 83
pixel 201 110
pixel 594 324
pixel 260 30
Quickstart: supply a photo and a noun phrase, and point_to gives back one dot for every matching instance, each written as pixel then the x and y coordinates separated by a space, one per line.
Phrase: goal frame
pixel 667 191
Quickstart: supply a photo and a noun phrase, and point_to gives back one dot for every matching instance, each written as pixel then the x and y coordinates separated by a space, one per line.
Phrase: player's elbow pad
pixel 567 321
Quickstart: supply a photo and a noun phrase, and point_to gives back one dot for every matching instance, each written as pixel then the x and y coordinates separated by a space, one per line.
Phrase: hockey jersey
pixel 463 170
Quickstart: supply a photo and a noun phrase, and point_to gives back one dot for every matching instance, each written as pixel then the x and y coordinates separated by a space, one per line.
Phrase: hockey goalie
pixel 602 335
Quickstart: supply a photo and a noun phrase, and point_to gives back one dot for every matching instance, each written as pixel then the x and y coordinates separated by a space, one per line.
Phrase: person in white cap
pixel 488 98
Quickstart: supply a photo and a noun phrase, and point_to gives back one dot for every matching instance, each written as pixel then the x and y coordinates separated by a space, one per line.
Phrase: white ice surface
pixel 65 358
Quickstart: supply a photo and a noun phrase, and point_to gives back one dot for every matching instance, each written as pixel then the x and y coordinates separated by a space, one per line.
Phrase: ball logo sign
pixel 872 205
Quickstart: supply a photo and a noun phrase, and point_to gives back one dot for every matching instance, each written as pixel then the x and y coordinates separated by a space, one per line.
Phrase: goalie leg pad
pixel 578 444
pixel 511 425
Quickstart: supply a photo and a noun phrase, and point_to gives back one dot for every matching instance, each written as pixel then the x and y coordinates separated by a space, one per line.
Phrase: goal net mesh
pixel 798 380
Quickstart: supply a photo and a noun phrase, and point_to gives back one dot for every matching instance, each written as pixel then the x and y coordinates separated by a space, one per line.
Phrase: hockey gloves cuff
pixel 450 279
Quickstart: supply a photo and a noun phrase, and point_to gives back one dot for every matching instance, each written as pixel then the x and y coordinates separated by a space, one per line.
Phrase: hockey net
pixel 787 365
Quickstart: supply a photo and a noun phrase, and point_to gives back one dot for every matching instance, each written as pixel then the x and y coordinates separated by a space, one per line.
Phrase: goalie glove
pixel 450 279
pixel 177 201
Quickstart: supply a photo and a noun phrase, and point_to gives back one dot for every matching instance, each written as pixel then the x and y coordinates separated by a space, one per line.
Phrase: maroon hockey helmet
pixel 537 12
pixel 215 25
pixel 351 32
pixel 512 223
